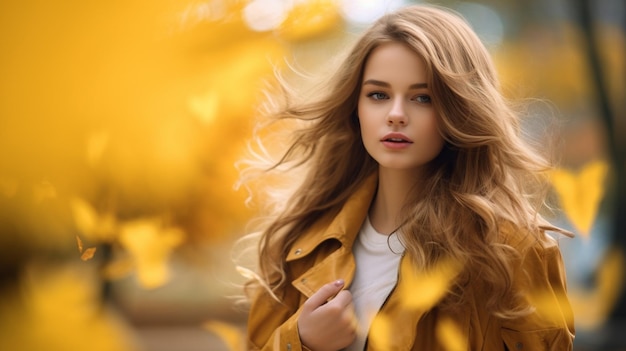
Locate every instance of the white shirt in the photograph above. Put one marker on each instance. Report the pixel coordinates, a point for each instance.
(376, 275)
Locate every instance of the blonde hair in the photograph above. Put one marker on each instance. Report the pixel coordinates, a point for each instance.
(485, 176)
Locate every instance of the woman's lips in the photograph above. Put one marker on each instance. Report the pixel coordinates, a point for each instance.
(396, 141)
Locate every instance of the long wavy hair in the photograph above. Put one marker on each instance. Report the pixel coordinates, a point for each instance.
(486, 174)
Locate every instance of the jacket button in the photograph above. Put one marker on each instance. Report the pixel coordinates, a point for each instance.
(519, 346)
(298, 251)
(288, 347)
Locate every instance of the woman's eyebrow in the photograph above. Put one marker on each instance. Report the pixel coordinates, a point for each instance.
(387, 85)
(418, 86)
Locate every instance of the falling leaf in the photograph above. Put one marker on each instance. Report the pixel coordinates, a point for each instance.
(450, 336)
(150, 246)
(611, 277)
(88, 254)
(95, 226)
(592, 307)
(85, 216)
(230, 334)
(580, 194)
(80, 244)
(380, 333)
(85, 254)
(546, 308)
(424, 289)
(59, 308)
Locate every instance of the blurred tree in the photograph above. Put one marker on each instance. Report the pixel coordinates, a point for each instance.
(610, 114)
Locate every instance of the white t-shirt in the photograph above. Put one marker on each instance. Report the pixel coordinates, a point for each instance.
(376, 275)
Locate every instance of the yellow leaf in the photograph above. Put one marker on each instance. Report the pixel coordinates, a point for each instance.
(580, 194)
(547, 306)
(59, 307)
(592, 307)
(85, 216)
(611, 278)
(230, 335)
(150, 246)
(93, 225)
(450, 336)
(88, 254)
(424, 289)
(380, 333)
(80, 244)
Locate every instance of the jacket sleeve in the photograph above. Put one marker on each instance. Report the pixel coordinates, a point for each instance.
(272, 325)
(550, 325)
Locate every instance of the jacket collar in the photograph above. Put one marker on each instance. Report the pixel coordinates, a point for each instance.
(344, 226)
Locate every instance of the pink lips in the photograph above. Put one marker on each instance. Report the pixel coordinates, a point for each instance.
(396, 141)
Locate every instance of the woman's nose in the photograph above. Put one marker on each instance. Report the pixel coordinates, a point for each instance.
(397, 115)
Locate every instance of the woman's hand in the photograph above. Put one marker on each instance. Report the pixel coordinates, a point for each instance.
(327, 323)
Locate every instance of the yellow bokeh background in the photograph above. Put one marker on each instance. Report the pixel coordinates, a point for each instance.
(120, 127)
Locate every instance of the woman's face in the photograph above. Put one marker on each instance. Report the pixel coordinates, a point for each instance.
(398, 121)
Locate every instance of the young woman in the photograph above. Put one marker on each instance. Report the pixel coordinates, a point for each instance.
(415, 225)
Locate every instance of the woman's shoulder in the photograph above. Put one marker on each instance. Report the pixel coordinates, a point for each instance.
(540, 278)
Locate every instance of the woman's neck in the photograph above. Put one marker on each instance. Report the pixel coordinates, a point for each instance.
(393, 189)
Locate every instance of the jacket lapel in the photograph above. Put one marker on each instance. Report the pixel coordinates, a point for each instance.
(344, 228)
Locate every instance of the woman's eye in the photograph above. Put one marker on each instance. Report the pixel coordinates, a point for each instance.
(423, 99)
(377, 95)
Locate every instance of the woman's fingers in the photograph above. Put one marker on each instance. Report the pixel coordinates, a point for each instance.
(322, 296)
(327, 320)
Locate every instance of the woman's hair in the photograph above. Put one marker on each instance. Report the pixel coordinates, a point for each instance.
(485, 175)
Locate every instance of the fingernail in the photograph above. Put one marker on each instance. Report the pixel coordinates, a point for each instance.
(339, 282)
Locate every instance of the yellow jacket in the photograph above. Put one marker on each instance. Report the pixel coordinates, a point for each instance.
(324, 253)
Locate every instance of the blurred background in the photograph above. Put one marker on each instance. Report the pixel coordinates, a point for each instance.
(121, 122)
